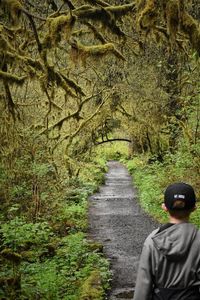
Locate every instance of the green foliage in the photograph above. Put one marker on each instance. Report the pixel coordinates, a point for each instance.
(112, 151)
(91, 289)
(51, 257)
(152, 179)
(94, 173)
(75, 216)
(53, 113)
(63, 275)
(18, 234)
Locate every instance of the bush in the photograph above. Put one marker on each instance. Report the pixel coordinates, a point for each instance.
(152, 180)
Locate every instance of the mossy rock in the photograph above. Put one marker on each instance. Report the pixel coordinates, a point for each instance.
(49, 251)
(62, 228)
(29, 256)
(14, 282)
(8, 254)
(96, 247)
(92, 288)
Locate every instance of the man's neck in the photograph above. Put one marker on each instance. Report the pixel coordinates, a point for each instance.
(178, 221)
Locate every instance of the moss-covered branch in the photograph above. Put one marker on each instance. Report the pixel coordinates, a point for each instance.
(10, 103)
(61, 80)
(172, 13)
(70, 4)
(121, 10)
(81, 126)
(73, 85)
(25, 59)
(191, 28)
(75, 114)
(12, 78)
(104, 15)
(55, 76)
(13, 8)
(96, 33)
(59, 24)
(39, 45)
(98, 2)
(112, 140)
(96, 50)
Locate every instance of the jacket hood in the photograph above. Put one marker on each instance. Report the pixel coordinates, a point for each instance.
(175, 241)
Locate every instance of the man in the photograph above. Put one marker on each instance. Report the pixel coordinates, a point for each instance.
(169, 265)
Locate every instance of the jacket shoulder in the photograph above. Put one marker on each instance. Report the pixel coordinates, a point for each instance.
(151, 235)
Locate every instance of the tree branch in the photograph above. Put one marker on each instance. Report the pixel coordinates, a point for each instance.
(34, 31)
(113, 140)
(71, 136)
(72, 115)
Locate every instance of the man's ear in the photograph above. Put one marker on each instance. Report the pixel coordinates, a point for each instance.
(194, 208)
(164, 207)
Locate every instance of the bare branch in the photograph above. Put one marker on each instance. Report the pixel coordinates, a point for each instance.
(113, 140)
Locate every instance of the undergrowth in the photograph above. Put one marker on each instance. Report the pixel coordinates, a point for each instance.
(50, 257)
(152, 178)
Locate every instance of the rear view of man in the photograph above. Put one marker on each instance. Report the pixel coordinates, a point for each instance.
(169, 267)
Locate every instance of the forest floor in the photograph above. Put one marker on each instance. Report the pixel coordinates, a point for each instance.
(117, 221)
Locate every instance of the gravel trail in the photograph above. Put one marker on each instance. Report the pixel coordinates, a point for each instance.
(117, 221)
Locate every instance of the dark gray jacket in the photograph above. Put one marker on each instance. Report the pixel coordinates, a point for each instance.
(169, 259)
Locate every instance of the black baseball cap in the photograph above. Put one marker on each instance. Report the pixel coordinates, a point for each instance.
(180, 196)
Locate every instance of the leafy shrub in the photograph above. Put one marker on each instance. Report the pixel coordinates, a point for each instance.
(51, 259)
(63, 276)
(18, 234)
(152, 180)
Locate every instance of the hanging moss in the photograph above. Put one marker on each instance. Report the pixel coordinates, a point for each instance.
(191, 28)
(57, 25)
(13, 8)
(10, 255)
(148, 15)
(172, 12)
(12, 78)
(54, 76)
(121, 10)
(99, 14)
(73, 85)
(98, 2)
(97, 50)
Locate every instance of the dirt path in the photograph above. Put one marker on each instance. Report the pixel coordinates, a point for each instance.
(117, 221)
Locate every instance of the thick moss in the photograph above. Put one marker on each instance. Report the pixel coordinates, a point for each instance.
(101, 14)
(8, 254)
(172, 13)
(191, 27)
(97, 247)
(96, 50)
(172, 18)
(13, 8)
(92, 289)
(12, 78)
(63, 23)
(148, 14)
